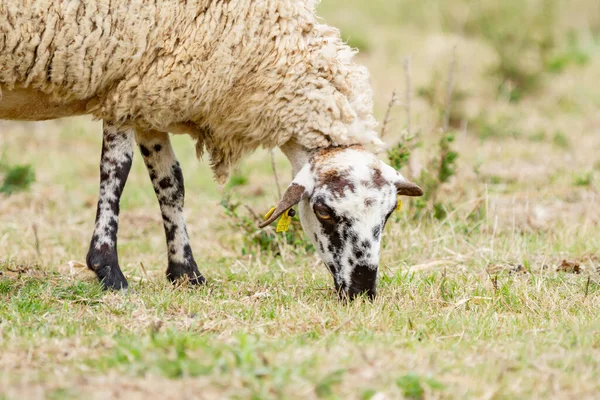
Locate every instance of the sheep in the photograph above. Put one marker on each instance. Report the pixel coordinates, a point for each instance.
(235, 76)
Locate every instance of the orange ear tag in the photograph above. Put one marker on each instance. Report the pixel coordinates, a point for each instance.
(399, 205)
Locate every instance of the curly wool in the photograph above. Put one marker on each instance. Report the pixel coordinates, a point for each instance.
(235, 74)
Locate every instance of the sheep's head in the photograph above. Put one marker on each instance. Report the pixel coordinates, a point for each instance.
(345, 195)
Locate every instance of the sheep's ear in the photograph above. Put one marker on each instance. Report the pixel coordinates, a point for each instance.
(291, 197)
(301, 187)
(404, 187)
(407, 188)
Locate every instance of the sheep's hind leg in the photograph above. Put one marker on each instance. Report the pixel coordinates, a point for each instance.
(115, 163)
(167, 180)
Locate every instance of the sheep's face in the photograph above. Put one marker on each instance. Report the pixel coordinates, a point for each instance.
(345, 196)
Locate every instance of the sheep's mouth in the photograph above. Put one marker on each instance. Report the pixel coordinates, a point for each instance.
(349, 293)
(363, 283)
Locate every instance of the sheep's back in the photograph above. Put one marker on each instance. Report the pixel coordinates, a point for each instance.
(74, 49)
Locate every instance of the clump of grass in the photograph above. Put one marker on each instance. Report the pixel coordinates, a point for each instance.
(263, 240)
(267, 239)
(414, 386)
(16, 177)
(440, 169)
(572, 54)
(584, 179)
(442, 164)
(538, 136)
(498, 127)
(434, 93)
(523, 38)
(237, 179)
(559, 139)
(325, 388)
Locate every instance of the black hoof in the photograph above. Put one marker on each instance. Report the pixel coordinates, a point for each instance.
(111, 278)
(106, 267)
(177, 272)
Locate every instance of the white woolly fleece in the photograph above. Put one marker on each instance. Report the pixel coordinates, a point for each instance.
(234, 74)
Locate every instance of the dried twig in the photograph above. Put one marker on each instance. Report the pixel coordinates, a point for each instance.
(409, 138)
(442, 285)
(37, 240)
(587, 286)
(494, 280)
(407, 78)
(144, 269)
(253, 213)
(388, 112)
(449, 90)
(275, 174)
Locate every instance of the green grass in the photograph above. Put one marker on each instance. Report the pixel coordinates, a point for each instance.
(471, 305)
(423, 332)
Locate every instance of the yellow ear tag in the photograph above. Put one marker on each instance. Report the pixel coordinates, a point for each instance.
(271, 211)
(399, 206)
(284, 222)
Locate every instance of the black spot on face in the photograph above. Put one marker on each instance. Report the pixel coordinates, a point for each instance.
(363, 280)
(157, 147)
(352, 237)
(358, 254)
(377, 232)
(144, 150)
(320, 243)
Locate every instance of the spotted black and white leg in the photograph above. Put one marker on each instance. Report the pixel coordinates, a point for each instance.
(115, 163)
(167, 180)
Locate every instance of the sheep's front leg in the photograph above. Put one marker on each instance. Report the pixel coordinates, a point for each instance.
(115, 163)
(167, 180)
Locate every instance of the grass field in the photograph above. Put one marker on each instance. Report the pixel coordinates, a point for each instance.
(497, 298)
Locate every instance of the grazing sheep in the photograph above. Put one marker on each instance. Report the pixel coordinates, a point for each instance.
(234, 75)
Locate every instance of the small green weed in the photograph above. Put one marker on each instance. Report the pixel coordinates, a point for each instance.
(499, 127)
(572, 54)
(539, 136)
(522, 36)
(442, 164)
(435, 94)
(237, 179)
(415, 386)
(559, 139)
(325, 387)
(257, 240)
(16, 177)
(584, 179)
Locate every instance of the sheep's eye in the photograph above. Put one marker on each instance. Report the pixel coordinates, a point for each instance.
(322, 212)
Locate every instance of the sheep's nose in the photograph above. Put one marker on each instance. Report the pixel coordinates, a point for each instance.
(370, 292)
(363, 281)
